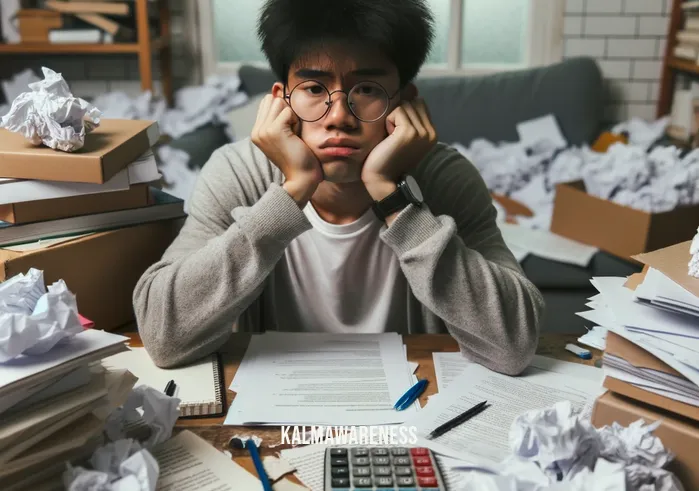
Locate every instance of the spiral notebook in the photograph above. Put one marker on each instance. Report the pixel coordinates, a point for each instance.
(199, 386)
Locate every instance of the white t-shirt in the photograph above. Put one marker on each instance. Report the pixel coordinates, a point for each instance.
(340, 279)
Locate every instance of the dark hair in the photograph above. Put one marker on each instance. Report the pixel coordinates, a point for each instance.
(402, 30)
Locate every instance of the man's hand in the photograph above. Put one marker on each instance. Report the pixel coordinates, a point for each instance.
(410, 137)
(275, 134)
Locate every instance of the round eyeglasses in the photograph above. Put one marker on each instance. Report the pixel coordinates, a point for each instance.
(311, 100)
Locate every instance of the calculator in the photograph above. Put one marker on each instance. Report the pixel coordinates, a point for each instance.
(349, 468)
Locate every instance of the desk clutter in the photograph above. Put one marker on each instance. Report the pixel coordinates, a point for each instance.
(79, 198)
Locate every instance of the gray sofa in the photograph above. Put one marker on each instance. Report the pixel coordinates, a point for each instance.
(490, 106)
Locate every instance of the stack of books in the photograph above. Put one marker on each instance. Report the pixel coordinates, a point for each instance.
(687, 38)
(92, 22)
(93, 217)
(651, 352)
(54, 406)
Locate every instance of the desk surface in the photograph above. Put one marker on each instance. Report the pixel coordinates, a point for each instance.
(420, 349)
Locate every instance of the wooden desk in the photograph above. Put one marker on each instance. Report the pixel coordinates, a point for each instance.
(420, 349)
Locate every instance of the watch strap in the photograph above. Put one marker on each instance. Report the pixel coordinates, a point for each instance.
(392, 203)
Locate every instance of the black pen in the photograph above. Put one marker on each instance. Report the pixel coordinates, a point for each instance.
(454, 422)
(170, 388)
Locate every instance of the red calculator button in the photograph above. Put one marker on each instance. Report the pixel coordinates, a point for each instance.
(424, 471)
(427, 481)
(418, 451)
(421, 461)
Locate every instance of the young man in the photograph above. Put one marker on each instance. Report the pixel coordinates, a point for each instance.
(341, 213)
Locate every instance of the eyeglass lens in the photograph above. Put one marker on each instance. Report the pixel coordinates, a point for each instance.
(310, 100)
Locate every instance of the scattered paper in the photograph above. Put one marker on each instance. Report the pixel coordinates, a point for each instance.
(641, 132)
(547, 245)
(116, 466)
(50, 115)
(33, 319)
(287, 485)
(694, 251)
(557, 448)
(634, 175)
(179, 179)
(276, 467)
(195, 106)
(543, 129)
(245, 438)
(158, 411)
(595, 337)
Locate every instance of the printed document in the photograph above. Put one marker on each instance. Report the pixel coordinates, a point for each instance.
(321, 379)
(483, 440)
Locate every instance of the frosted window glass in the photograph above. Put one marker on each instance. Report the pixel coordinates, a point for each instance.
(440, 11)
(494, 31)
(235, 30)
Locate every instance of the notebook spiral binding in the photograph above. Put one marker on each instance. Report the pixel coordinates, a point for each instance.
(208, 408)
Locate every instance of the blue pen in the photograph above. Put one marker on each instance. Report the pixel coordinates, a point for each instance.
(255, 454)
(411, 395)
(266, 484)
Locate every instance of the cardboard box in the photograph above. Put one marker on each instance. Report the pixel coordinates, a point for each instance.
(100, 269)
(86, 204)
(673, 262)
(618, 229)
(109, 148)
(35, 24)
(679, 434)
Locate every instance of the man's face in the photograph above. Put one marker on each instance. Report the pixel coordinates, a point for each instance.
(339, 139)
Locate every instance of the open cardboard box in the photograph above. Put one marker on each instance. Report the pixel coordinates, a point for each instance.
(101, 269)
(617, 229)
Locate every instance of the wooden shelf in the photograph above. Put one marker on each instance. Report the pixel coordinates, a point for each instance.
(683, 65)
(82, 48)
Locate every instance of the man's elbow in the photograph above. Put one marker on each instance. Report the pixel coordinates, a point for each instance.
(517, 355)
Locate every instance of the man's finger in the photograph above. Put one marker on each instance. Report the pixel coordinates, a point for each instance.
(424, 112)
(414, 119)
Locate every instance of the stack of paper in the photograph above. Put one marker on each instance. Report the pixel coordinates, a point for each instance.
(652, 340)
(53, 406)
(321, 379)
(523, 241)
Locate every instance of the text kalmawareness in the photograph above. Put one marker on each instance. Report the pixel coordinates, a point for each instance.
(349, 435)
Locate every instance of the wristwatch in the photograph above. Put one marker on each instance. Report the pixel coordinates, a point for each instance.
(408, 192)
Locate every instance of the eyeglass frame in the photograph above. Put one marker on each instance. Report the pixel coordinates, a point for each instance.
(329, 102)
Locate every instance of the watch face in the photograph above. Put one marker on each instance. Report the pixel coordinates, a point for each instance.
(413, 188)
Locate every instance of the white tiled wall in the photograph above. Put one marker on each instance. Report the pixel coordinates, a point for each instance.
(91, 75)
(627, 38)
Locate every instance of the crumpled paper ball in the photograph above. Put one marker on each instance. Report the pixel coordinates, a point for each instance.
(50, 115)
(33, 319)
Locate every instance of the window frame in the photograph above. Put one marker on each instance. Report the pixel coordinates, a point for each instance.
(544, 39)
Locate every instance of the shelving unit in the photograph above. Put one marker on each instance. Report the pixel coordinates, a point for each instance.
(671, 64)
(144, 47)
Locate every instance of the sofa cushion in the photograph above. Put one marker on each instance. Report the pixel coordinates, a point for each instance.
(490, 106)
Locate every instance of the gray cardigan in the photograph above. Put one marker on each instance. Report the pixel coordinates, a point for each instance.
(211, 280)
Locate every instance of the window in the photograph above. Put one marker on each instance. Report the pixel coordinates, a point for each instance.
(470, 35)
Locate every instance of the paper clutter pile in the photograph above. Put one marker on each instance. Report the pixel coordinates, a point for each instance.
(54, 402)
(651, 352)
(78, 195)
(559, 449)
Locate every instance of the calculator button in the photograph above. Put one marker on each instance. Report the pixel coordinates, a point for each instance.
(383, 482)
(340, 482)
(382, 471)
(360, 452)
(362, 482)
(401, 461)
(338, 452)
(424, 471)
(338, 461)
(427, 481)
(360, 461)
(339, 471)
(403, 481)
(422, 461)
(399, 451)
(381, 461)
(403, 471)
(419, 451)
(379, 451)
(361, 471)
